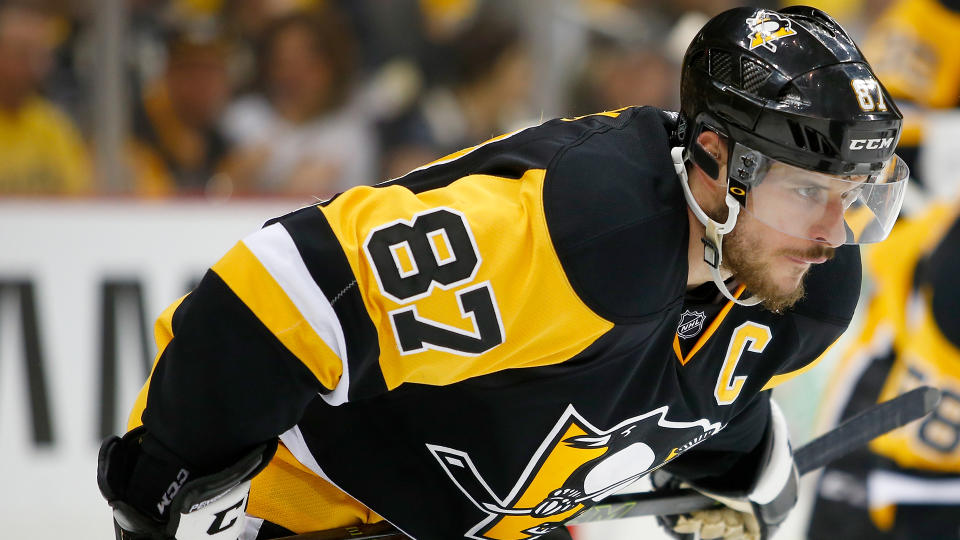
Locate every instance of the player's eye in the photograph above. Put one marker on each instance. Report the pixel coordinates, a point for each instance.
(811, 193)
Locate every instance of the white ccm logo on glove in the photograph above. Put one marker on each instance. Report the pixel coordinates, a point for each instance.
(172, 490)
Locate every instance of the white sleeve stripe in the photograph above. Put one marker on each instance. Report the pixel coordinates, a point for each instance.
(276, 251)
(251, 528)
(295, 443)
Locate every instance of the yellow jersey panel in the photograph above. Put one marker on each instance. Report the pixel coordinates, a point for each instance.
(293, 495)
(256, 287)
(932, 443)
(542, 320)
(900, 329)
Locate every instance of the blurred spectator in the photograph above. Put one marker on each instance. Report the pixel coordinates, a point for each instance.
(489, 92)
(247, 22)
(855, 15)
(619, 75)
(178, 146)
(302, 134)
(41, 151)
(418, 31)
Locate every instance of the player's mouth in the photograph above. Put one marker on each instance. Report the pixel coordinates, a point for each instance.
(812, 255)
(807, 260)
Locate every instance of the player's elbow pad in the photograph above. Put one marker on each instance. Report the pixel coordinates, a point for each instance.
(774, 490)
(760, 508)
(155, 497)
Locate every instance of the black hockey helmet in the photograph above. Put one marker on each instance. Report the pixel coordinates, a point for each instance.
(790, 89)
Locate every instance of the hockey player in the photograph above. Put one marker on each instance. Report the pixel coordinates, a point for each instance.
(906, 485)
(490, 344)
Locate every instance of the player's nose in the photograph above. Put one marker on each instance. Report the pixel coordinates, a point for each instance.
(829, 228)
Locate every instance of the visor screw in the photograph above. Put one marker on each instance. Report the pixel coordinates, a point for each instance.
(748, 161)
(742, 173)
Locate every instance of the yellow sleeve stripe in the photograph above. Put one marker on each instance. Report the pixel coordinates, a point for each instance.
(163, 333)
(777, 380)
(291, 495)
(266, 272)
(612, 114)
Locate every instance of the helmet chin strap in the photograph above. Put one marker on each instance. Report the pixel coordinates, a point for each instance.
(713, 237)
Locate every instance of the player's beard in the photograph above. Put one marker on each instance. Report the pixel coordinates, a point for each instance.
(740, 256)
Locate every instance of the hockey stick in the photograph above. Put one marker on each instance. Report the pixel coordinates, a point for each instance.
(853, 433)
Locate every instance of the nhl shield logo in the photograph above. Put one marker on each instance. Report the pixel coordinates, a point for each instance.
(691, 322)
(765, 27)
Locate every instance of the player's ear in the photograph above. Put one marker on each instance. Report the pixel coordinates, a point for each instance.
(710, 154)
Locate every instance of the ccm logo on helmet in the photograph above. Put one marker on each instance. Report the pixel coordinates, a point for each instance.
(870, 144)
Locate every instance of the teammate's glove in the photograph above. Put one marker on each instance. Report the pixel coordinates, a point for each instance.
(155, 497)
(751, 514)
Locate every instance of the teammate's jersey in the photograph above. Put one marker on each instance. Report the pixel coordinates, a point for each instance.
(912, 335)
(484, 347)
(907, 479)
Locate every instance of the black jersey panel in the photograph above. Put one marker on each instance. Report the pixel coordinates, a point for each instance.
(821, 317)
(503, 423)
(328, 266)
(833, 288)
(618, 219)
(719, 461)
(942, 270)
(509, 157)
(222, 383)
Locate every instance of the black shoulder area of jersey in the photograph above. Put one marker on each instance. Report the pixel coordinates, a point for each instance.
(940, 273)
(617, 216)
(508, 156)
(833, 288)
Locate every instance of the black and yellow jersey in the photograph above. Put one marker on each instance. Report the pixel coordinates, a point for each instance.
(910, 336)
(912, 333)
(484, 347)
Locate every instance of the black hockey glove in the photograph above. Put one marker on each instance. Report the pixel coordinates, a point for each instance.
(155, 497)
(754, 513)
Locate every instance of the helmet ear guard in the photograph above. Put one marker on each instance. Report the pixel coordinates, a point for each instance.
(703, 159)
(713, 231)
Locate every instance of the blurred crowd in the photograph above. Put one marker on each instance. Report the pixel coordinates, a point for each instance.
(309, 97)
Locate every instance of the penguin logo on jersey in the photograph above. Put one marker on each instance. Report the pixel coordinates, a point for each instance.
(765, 27)
(576, 466)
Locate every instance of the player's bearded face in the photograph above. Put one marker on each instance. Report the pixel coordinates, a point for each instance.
(771, 264)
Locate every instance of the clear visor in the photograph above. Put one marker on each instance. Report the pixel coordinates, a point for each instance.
(827, 208)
